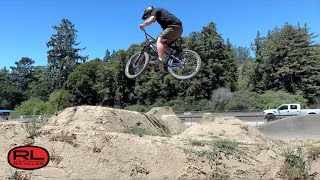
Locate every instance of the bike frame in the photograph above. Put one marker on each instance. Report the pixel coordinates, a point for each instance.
(151, 45)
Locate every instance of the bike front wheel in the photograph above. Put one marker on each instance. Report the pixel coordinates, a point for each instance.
(136, 64)
(189, 65)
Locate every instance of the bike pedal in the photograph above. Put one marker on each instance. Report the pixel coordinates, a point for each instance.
(158, 62)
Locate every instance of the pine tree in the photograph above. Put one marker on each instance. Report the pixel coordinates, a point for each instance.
(107, 56)
(286, 62)
(218, 69)
(10, 94)
(22, 74)
(63, 57)
(256, 45)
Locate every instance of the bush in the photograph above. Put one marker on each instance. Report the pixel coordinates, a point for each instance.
(243, 101)
(61, 99)
(138, 107)
(220, 98)
(224, 100)
(34, 106)
(295, 167)
(252, 101)
(272, 99)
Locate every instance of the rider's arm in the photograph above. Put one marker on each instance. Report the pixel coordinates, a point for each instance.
(148, 22)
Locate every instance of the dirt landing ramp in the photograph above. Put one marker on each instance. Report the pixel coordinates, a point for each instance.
(298, 127)
(99, 118)
(168, 118)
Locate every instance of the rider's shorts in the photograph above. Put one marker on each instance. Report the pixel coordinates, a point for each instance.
(171, 33)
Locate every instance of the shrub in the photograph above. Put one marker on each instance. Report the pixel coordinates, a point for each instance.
(32, 128)
(61, 99)
(220, 98)
(295, 167)
(138, 107)
(34, 106)
(272, 99)
(251, 101)
(243, 101)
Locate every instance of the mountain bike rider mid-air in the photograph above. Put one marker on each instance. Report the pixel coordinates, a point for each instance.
(181, 63)
(171, 25)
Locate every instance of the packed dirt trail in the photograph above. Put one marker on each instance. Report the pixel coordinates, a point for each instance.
(94, 142)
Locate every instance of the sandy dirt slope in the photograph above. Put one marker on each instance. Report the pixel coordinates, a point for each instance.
(89, 142)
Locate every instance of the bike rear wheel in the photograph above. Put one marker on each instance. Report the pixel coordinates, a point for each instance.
(189, 65)
(136, 64)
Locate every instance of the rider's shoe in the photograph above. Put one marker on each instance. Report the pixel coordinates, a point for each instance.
(176, 53)
(156, 62)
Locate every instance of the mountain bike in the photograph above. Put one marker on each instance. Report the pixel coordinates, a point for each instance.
(180, 63)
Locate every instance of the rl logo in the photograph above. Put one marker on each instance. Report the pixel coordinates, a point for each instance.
(28, 157)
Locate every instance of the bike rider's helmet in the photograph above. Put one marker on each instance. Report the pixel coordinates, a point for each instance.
(147, 11)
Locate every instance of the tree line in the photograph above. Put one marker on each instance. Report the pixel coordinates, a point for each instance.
(285, 69)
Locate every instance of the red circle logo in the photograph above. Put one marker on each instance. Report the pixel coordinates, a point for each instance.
(28, 157)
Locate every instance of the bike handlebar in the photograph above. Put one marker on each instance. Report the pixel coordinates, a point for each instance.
(148, 35)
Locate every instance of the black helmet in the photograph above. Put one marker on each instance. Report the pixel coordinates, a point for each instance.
(147, 11)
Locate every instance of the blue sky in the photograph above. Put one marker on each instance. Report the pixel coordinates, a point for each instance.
(26, 25)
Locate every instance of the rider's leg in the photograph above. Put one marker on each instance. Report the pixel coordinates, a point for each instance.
(167, 36)
(162, 47)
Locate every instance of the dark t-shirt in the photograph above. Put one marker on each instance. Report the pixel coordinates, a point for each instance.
(165, 18)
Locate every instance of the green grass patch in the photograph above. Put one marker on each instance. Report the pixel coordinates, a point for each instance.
(138, 131)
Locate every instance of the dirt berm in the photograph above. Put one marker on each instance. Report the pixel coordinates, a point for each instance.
(89, 142)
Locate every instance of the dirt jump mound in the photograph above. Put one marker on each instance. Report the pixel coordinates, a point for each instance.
(116, 120)
(226, 128)
(93, 142)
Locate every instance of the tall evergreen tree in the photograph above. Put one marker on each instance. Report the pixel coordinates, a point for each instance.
(256, 45)
(241, 54)
(41, 86)
(63, 57)
(22, 74)
(107, 56)
(287, 62)
(85, 90)
(10, 94)
(124, 86)
(218, 68)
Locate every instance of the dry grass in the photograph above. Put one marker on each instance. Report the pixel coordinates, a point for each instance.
(106, 138)
(138, 131)
(55, 158)
(313, 153)
(32, 128)
(65, 137)
(295, 166)
(220, 172)
(20, 175)
(95, 148)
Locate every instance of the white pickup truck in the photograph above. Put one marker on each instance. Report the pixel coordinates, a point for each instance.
(288, 110)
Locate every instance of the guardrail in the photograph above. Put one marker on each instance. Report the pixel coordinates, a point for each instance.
(246, 116)
(186, 116)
